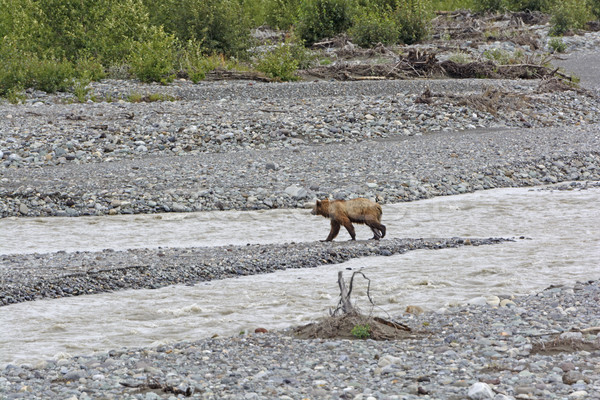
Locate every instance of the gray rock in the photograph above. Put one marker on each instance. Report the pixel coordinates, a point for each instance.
(480, 391)
(296, 192)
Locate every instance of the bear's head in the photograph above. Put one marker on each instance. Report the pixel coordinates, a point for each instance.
(321, 208)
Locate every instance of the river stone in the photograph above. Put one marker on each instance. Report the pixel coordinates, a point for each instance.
(296, 192)
(480, 391)
(23, 209)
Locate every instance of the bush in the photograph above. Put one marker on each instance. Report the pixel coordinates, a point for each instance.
(595, 7)
(281, 14)
(413, 17)
(372, 26)
(89, 68)
(490, 5)
(196, 64)
(153, 60)
(279, 62)
(218, 25)
(104, 29)
(531, 5)
(50, 75)
(21, 70)
(569, 14)
(319, 19)
(557, 45)
(13, 76)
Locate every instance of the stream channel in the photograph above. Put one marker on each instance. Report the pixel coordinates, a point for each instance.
(557, 241)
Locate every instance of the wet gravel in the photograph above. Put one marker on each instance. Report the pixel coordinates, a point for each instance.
(542, 346)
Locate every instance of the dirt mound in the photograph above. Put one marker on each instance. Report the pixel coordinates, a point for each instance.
(341, 327)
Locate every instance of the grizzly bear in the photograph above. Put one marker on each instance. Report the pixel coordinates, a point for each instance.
(345, 212)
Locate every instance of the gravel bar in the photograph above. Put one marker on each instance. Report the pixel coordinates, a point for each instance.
(62, 274)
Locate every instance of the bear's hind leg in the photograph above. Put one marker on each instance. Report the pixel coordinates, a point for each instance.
(376, 233)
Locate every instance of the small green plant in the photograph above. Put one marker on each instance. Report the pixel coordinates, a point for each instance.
(503, 57)
(460, 57)
(81, 89)
(152, 97)
(557, 45)
(15, 96)
(361, 331)
(134, 97)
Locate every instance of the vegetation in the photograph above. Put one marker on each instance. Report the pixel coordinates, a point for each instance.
(557, 45)
(361, 331)
(569, 14)
(62, 45)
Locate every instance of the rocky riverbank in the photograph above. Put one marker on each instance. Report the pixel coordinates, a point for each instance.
(542, 346)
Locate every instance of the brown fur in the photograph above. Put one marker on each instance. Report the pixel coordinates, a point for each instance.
(345, 212)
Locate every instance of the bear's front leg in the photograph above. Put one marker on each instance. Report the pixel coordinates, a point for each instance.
(335, 229)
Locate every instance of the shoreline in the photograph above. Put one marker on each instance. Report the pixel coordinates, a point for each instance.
(545, 345)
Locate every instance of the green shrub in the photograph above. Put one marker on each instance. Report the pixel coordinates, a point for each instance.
(81, 89)
(319, 19)
(569, 14)
(557, 45)
(89, 68)
(51, 75)
(595, 8)
(281, 14)
(413, 17)
(460, 57)
(279, 63)
(104, 29)
(531, 5)
(196, 64)
(490, 5)
(361, 331)
(153, 60)
(372, 26)
(218, 25)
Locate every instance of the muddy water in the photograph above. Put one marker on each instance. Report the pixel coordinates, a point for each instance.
(562, 245)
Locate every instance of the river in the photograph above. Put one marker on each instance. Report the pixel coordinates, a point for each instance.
(557, 241)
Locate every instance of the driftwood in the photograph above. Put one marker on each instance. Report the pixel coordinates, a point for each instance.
(345, 305)
(221, 74)
(153, 383)
(346, 316)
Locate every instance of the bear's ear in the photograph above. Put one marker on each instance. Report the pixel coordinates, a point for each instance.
(318, 203)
